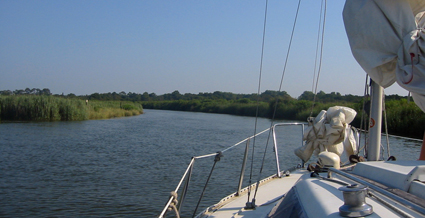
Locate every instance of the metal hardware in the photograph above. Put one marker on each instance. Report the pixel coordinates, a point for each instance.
(275, 142)
(243, 167)
(386, 193)
(354, 201)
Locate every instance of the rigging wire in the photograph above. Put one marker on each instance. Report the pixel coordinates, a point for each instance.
(317, 47)
(386, 127)
(258, 98)
(277, 99)
(363, 122)
(365, 126)
(320, 57)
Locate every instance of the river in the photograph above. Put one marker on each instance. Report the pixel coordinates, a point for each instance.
(126, 167)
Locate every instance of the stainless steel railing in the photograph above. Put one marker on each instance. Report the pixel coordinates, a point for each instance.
(187, 174)
(275, 141)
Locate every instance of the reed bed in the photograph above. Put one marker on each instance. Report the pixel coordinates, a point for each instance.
(41, 108)
(52, 108)
(111, 109)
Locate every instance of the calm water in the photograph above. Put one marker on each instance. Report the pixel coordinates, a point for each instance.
(128, 166)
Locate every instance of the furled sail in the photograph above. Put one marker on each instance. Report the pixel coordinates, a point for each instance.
(387, 38)
(329, 131)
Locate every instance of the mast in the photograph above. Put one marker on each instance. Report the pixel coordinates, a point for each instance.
(375, 121)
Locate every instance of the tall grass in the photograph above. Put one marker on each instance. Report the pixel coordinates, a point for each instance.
(52, 108)
(405, 118)
(111, 109)
(41, 108)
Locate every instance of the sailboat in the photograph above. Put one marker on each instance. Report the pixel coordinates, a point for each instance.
(387, 38)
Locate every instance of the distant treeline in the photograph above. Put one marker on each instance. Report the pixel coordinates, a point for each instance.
(176, 95)
(266, 96)
(403, 117)
(27, 91)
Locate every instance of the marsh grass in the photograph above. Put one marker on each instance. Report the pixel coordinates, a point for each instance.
(41, 108)
(111, 109)
(52, 108)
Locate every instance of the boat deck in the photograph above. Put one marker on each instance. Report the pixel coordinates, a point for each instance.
(269, 193)
(321, 197)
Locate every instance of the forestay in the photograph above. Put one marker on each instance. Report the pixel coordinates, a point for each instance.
(387, 38)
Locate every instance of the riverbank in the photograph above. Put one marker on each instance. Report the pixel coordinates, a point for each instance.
(111, 109)
(53, 108)
(404, 118)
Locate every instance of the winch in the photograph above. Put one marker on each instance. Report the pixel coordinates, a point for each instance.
(354, 201)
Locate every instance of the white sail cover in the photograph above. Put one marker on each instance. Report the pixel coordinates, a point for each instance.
(387, 38)
(330, 131)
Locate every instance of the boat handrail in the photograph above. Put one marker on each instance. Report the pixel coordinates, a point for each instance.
(188, 171)
(190, 165)
(275, 142)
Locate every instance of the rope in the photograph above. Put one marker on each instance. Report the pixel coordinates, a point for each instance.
(216, 159)
(173, 196)
(316, 175)
(177, 188)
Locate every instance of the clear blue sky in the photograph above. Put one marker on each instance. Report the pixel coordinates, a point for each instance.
(83, 47)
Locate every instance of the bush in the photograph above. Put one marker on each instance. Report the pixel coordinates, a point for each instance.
(129, 107)
(110, 109)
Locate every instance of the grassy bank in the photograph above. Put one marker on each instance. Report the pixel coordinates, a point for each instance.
(51, 108)
(403, 118)
(111, 109)
(221, 106)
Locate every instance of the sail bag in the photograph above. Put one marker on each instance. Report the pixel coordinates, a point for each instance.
(329, 131)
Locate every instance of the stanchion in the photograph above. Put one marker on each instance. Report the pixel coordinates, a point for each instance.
(422, 155)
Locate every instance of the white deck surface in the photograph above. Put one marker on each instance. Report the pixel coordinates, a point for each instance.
(269, 192)
(320, 198)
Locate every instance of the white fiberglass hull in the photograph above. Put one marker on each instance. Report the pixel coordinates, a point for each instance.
(321, 197)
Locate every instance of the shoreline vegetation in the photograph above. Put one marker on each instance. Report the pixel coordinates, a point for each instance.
(404, 118)
(53, 108)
